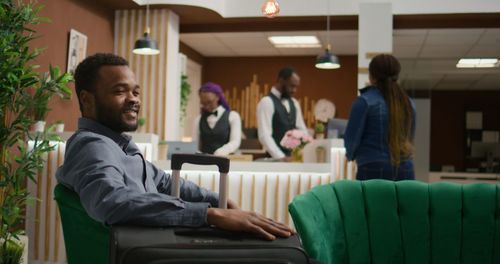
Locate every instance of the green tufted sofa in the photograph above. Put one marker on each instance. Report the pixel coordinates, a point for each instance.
(381, 221)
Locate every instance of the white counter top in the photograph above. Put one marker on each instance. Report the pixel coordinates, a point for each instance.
(464, 177)
(256, 166)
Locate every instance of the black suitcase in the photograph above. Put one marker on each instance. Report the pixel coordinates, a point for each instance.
(133, 245)
(147, 245)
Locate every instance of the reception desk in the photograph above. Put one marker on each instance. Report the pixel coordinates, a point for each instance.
(263, 187)
(268, 187)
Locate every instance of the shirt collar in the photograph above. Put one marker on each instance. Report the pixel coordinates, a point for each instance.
(368, 88)
(276, 92)
(91, 125)
(220, 110)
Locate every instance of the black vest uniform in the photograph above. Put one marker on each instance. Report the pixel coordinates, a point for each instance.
(212, 139)
(282, 120)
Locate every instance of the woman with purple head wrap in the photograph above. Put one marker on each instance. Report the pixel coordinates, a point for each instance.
(214, 88)
(217, 129)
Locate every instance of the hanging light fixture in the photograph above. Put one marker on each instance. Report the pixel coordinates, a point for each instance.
(270, 8)
(327, 60)
(146, 45)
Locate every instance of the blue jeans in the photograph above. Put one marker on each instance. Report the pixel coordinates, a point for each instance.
(385, 170)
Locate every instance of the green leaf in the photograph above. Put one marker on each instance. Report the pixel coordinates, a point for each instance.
(24, 94)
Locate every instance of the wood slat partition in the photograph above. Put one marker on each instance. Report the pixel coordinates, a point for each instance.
(245, 100)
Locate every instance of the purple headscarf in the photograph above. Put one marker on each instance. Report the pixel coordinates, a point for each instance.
(216, 89)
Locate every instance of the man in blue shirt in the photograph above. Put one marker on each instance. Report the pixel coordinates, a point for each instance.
(115, 183)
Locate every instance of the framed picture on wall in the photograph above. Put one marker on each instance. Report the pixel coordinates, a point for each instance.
(77, 50)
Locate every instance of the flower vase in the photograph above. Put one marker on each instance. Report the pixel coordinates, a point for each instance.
(297, 155)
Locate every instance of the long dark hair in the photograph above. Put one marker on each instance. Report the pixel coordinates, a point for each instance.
(384, 70)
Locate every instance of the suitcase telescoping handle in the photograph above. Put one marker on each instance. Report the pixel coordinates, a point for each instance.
(200, 159)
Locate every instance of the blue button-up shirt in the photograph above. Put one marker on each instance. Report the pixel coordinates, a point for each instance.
(117, 185)
(365, 138)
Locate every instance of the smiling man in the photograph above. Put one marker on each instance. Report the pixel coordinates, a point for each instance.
(115, 183)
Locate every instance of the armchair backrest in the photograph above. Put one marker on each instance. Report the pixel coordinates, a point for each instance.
(86, 240)
(381, 221)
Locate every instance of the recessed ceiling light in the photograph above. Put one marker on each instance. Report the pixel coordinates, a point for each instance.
(295, 41)
(478, 63)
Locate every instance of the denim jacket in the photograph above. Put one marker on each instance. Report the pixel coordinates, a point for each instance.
(365, 138)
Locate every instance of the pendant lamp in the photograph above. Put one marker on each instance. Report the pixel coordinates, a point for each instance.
(327, 60)
(270, 8)
(146, 45)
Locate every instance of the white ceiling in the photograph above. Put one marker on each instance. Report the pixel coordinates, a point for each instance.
(428, 56)
(252, 8)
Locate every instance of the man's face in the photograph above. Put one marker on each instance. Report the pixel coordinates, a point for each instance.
(209, 101)
(289, 87)
(116, 102)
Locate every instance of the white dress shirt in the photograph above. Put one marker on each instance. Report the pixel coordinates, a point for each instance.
(265, 112)
(234, 136)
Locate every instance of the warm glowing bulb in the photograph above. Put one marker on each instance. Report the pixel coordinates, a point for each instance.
(270, 8)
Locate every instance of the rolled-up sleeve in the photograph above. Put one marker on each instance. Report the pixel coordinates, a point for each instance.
(92, 168)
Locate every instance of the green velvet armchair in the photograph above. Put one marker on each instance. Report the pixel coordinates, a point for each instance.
(381, 221)
(86, 240)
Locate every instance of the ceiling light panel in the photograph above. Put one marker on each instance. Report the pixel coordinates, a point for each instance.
(295, 41)
(478, 63)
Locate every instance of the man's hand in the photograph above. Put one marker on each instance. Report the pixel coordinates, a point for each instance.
(238, 220)
(287, 159)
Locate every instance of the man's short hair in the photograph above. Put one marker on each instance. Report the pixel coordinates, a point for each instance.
(286, 73)
(86, 72)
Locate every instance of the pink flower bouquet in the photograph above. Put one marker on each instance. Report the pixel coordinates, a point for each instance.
(295, 138)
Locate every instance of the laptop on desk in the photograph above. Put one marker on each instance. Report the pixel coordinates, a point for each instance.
(336, 128)
(181, 147)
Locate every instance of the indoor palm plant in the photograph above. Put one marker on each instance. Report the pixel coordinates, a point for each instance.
(23, 94)
(185, 91)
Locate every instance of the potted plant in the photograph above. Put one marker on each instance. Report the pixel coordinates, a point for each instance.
(59, 126)
(185, 91)
(319, 130)
(24, 95)
(140, 123)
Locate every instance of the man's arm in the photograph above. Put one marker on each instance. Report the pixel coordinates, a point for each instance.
(92, 170)
(265, 111)
(189, 191)
(299, 121)
(234, 136)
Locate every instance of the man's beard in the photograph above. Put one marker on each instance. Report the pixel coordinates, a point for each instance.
(285, 94)
(113, 119)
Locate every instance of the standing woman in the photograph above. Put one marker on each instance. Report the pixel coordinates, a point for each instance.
(217, 129)
(381, 128)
